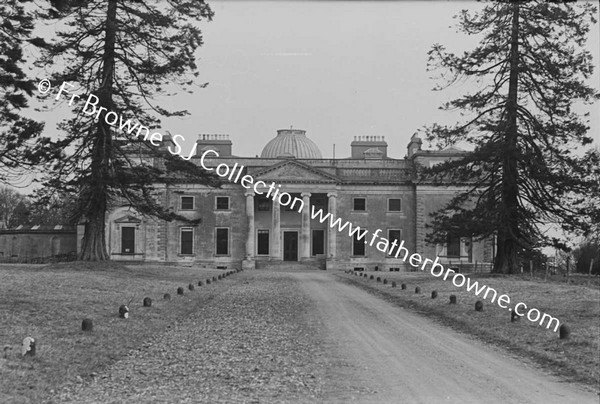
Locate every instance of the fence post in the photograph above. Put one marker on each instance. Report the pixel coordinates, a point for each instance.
(568, 262)
(590, 271)
(546, 273)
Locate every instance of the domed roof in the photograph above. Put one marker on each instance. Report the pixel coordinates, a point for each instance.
(291, 142)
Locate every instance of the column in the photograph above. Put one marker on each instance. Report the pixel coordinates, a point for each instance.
(276, 231)
(332, 232)
(305, 236)
(251, 232)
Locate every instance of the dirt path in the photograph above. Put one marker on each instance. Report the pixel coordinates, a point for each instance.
(306, 337)
(393, 356)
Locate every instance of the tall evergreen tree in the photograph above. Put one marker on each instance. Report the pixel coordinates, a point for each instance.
(529, 70)
(17, 133)
(124, 53)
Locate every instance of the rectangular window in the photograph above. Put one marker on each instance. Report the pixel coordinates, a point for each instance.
(359, 204)
(186, 244)
(263, 204)
(318, 242)
(222, 202)
(358, 246)
(394, 205)
(127, 240)
(187, 203)
(222, 241)
(319, 202)
(262, 242)
(394, 234)
(453, 246)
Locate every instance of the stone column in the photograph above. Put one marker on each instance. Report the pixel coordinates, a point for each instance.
(276, 231)
(250, 217)
(305, 237)
(248, 262)
(332, 232)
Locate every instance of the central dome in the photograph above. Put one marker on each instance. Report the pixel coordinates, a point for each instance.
(291, 143)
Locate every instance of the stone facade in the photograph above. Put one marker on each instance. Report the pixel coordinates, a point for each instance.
(239, 226)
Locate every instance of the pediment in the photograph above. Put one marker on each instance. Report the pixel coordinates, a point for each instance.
(128, 219)
(293, 171)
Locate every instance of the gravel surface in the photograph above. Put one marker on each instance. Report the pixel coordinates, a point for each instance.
(252, 340)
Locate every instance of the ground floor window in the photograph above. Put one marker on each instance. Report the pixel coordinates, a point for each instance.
(318, 242)
(358, 246)
(186, 244)
(453, 246)
(127, 240)
(222, 241)
(262, 241)
(394, 234)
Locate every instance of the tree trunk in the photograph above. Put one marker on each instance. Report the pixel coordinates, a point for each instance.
(509, 234)
(94, 243)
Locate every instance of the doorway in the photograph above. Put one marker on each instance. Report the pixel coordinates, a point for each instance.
(290, 246)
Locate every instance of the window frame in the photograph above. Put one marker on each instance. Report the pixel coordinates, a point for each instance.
(217, 240)
(268, 233)
(393, 199)
(354, 199)
(224, 197)
(181, 202)
(390, 239)
(186, 230)
(361, 243)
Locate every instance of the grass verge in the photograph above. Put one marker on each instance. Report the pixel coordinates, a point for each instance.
(575, 359)
(49, 303)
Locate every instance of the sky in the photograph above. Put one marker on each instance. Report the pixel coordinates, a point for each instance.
(333, 68)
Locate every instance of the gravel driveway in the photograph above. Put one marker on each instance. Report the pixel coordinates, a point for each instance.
(306, 337)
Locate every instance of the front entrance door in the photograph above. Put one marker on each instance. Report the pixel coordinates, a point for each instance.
(290, 246)
(127, 240)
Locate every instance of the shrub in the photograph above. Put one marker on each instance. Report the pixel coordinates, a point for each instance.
(167, 296)
(478, 305)
(180, 290)
(434, 294)
(514, 316)
(200, 283)
(417, 290)
(403, 286)
(371, 277)
(393, 284)
(208, 281)
(378, 279)
(452, 299)
(191, 286)
(147, 302)
(385, 281)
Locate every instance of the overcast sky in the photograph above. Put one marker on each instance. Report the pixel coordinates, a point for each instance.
(336, 69)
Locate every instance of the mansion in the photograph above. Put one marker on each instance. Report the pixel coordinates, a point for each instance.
(241, 226)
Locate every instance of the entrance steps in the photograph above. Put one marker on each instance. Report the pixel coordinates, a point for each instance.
(290, 265)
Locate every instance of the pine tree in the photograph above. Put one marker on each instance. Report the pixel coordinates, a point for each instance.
(125, 54)
(530, 68)
(17, 133)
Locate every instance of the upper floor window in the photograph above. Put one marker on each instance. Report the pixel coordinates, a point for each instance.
(394, 205)
(187, 203)
(222, 203)
(263, 204)
(359, 204)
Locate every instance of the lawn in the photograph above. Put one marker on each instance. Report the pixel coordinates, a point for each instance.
(575, 359)
(49, 303)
